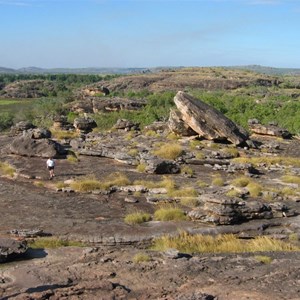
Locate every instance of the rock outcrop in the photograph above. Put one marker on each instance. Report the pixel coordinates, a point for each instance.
(90, 104)
(206, 120)
(10, 249)
(223, 210)
(35, 142)
(272, 129)
(85, 124)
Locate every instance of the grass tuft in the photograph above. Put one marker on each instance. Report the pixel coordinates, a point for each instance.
(169, 213)
(137, 218)
(141, 167)
(168, 151)
(141, 257)
(263, 259)
(6, 169)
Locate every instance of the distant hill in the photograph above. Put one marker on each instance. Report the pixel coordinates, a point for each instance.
(6, 70)
(268, 70)
(35, 70)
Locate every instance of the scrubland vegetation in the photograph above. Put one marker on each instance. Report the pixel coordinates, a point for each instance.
(266, 103)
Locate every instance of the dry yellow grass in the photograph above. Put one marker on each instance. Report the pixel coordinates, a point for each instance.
(168, 151)
(227, 243)
(6, 169)
(169, 213)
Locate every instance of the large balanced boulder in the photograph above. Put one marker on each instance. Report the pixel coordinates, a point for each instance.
(206, 120)
(177, 125)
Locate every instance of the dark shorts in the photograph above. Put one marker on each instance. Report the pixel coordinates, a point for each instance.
(50, 168)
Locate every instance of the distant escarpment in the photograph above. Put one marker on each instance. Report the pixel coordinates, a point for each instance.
(189, 78)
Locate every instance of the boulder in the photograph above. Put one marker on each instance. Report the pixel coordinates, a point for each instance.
(178, 126)
(85, 124)
(271, 129)
(223, 210)
(10, 249)
(27, 146)
(123, 124)
(37, 133)
(207, 121)
(159, 166)
(21, 126)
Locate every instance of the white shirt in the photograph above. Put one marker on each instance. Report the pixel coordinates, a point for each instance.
(50, 162)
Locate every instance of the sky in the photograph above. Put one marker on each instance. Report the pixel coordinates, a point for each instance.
(149, 33)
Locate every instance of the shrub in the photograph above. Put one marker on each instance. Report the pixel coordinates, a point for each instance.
(227, 243)
(141, 257)
(169, 151)
(169, 214)
(137, 218)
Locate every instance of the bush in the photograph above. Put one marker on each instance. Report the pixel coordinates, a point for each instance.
(6, 120)
(137, 218)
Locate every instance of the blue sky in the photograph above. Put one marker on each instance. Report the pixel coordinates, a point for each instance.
(149, 33)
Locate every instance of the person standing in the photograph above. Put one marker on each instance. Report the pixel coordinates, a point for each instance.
(50, 167)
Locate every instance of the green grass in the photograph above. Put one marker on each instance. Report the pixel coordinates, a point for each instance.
(137, 218)
(169, 213)
(52, 242)
(189, 202)
(227, 243)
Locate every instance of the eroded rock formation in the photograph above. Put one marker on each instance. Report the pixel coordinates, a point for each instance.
(206, 120)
